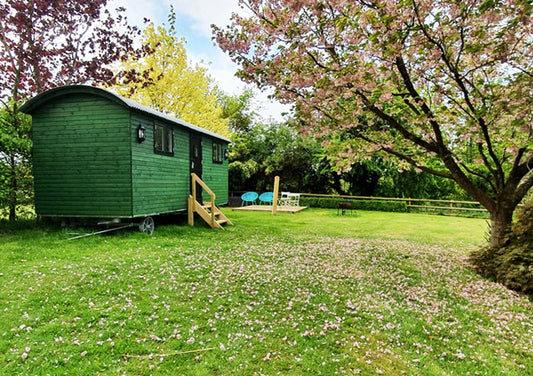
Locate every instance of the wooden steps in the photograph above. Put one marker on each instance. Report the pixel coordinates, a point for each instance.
(208, 211)
(220, 218)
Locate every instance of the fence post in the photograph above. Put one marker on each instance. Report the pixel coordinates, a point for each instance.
(275, 198)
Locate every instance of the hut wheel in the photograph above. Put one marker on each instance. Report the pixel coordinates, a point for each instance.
(147, 225)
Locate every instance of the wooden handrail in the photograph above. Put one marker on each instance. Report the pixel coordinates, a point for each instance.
(196, 180)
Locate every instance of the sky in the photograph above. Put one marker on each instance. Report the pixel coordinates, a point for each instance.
(194, 19)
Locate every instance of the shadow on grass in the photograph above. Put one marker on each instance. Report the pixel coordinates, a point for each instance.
(84, 225)
(7, 226)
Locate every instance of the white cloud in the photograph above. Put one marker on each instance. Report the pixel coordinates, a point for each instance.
(223, 71)
(194, 20)
(206, 12)
(137, 11)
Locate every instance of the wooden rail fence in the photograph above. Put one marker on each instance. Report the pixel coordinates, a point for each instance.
(414, 203)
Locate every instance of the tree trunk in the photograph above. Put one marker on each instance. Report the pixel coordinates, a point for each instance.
(13, 186)
(500, 227)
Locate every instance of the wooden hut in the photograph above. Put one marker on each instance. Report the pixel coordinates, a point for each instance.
(99, 155)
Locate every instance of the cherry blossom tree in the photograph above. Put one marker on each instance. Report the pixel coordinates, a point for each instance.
(48, 43)
(443, 85)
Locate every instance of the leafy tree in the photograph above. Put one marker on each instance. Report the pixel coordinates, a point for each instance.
(172, 84)
(265, 151)
(15, 160)
(411, 183)
(44, 44)
(238, 111)
(381, 176)
(259, 149)
(445, 86)
(370, 177)
(49, 43)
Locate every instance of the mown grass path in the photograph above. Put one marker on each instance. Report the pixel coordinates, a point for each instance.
(306, 294)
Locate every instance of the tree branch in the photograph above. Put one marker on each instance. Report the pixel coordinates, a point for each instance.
(396, 125)
(406, 158)
(485, 159)
(412, 162)
(472, 172)
(456, 76)
(407, 102)
(524, 186)
(316, 61)
(400, 64)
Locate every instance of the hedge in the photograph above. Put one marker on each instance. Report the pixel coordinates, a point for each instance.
(512, 262)
(375, 205)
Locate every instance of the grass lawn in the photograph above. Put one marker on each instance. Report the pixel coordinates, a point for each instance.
(311, 293)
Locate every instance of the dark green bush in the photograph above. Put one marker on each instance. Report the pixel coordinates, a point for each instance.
(386, 206)
(311, 202)
(511, 263)
(524, 219)
(327, 203)
(375, 205)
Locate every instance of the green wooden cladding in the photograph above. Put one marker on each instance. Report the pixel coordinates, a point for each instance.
(215, 175)
(88, 162)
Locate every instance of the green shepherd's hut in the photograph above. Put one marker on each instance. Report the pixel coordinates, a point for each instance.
(99, 155)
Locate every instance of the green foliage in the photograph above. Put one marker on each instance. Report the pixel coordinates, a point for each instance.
(361, 179)
(262, 152)
(373, 205)
(259, 152)
(16, 180)
(238, 111)
(524, 219)
(416, 184)
(512, 262)
(241, 171)
(388, 206)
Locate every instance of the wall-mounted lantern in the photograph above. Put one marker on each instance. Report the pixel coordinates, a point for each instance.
(140, 133)
(226, 154)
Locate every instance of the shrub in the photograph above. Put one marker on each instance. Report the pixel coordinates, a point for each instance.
(524, 219)
(387, 206)
(511, 263)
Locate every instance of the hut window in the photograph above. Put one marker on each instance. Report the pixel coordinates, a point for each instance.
(163, 140)
(218, 153)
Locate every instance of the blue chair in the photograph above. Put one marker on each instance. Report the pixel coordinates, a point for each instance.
(249, 197)
(266, 197)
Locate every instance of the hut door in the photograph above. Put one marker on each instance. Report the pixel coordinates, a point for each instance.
(195, 147)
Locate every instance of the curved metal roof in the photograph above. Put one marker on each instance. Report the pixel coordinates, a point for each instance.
(41, 99)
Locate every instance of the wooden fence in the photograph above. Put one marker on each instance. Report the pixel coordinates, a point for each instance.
(413, 204)
(417, 204)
